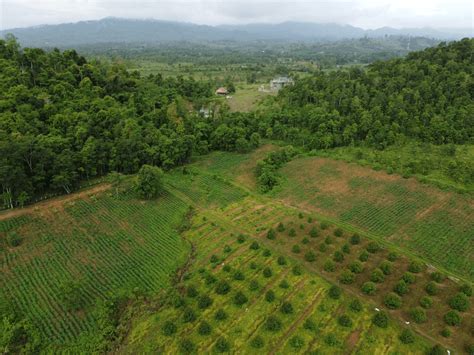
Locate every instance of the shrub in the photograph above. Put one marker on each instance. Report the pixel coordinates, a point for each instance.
(328, 240)
(356, 267)
(280, 227)
(446, 333)
(436, 350)
(13, 239)
(416, 267)
(257, 342)
(189, 315)
(338, 232)
(392, 256)
(284, 284)
(310, 256)
(309, 324)
(329, 266)
(254, 246)
(418, 315)
(281, 260)
(401, 288)
(210, 279)
(253, 265)
(297, 270)
(386, 267)
(239, 275)
(392, 301)
(240, 298)
(253, 286)
(338, 256)
(186, 346)
(373, 247)
(344, 321)
(377, 276)
(204, 302)
(266, 253)
(292, 232)
(220, 314)
(364, 256)
(466, 289)
(369, 288)
(222, 345)
(335, 292)
(409, 278)
(310, 219)
(296, 249)
(347, 277)
(222, 287)
(323, 247)
(305, 240)
(452, 318)
(286, 308)
(191, 291)
(426, 302)
(269, 296)
(204, 328)
(296, 342)
(324, 225)
(331, 339)
(149, 181)
(226, 268)
(272, 324)
(431, 288)
(267, 272)
(437, 277)
(271, 234)
(460, 302)
(169, 328)
(313, 233)
(355, 239)
(407, 336)
(240, 238)
(227, 249)
(355, 305)
(380, 319)
(346, 248)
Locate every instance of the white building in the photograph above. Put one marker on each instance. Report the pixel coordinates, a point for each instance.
(280, 82)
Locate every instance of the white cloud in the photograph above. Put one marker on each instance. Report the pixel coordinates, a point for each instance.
(363, 13)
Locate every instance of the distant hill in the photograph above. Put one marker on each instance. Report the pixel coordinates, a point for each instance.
(116, 30)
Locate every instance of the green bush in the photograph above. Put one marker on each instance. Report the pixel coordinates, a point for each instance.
(297, 270)
(189, 315)
(416, 267)
(222, 287)
(466, 289)
(436, 350)
(284, 284)
(272, 324)
(204, 328)
(437, 277)
(392, 301)
(431, 288)
(296, 342)
(377, 276)
(257, 342)
(344, 321)
(418, 315)
(452, 318)
(409, 278)
(286, 308)
(386, 267)
(309, 324)
(323, 247)
(280, 227)
(292, 232)
(460, 302)
(220, 314)
(426, 302)
(446, 333)
(401, 288)
(338, 256)
(364, 256)
(241, 238)
(266, 253)
(373, 247)
(328, 240)
(222, 345)
(310, 256)
(191, 291)
(281, 260)
(254, 246)
(271, 234)
(240, 298)
(204, 302)
(324, 225)
(392, 256)
(369, 288)
(305, 241)
(347, 277)
(407, 336)
(169, 328)
(13, 239)
(267, 272)
(186, 346)
(346, 249)
(239, 275)
(380, 319)
(227, 249)
(331, 339)
(329, 266)
(334, 292)
(296, 249)
(254, 285)
(313, 233)
(269, 296)
(338, 232)
(355, 239)
(355, 305)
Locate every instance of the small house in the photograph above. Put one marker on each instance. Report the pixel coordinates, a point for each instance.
(280, 82)
(222, 91)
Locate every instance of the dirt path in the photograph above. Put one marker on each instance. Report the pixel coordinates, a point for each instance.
(57, 202)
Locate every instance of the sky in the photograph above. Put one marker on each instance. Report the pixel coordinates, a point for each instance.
(368, 14)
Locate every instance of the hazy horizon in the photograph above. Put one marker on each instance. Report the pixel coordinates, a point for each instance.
(366, 14)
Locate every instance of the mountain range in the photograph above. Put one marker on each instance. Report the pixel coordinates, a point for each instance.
(118, 30)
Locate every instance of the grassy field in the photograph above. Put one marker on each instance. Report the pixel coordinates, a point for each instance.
(100, 244)
(246, 97)
(429, 222)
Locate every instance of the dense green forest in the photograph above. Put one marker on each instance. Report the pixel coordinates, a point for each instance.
(64, 119)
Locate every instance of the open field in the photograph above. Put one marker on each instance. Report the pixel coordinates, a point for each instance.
(431, 223)
(246, 97)
(100, 245)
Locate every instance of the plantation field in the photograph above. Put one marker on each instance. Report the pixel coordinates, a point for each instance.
(242, 297)
(434, 224)
(94, 247)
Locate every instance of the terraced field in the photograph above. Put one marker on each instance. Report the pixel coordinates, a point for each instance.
(100, 245)
(431, 223)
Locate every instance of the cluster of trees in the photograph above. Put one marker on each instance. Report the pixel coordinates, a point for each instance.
(426, 96)
(267, 169)
(64, 120)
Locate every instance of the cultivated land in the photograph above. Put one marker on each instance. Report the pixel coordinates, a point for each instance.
(124, 243)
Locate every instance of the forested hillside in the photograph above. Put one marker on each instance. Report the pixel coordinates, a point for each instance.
(64, 119)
